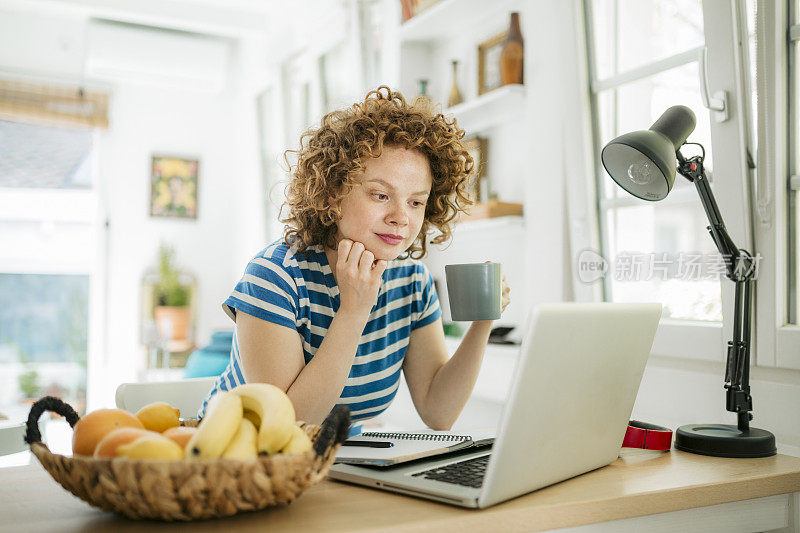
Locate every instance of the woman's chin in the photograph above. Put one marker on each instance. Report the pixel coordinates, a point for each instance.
(385, 256)
(387, 252)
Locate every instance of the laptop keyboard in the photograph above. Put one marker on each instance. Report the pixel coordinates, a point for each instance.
(467, 473)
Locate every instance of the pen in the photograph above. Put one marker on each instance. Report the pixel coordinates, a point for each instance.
(368, 444)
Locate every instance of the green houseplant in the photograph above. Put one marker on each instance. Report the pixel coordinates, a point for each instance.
(171, 298)
(169, 290)
(29, 383)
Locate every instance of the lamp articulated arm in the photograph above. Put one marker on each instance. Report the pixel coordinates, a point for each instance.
(738, 262)
(740, 269)
(644, 164)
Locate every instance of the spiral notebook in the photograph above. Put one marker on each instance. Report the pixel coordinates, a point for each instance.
(408, 446)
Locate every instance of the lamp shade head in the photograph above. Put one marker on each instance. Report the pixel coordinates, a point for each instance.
(642, 163)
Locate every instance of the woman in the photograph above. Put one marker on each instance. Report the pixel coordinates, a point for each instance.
(333, 311)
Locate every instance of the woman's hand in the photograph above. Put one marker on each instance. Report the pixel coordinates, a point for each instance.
(358, 275)
(505, 295)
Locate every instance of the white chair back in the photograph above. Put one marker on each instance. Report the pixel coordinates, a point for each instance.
(11, 435)
(185, 394)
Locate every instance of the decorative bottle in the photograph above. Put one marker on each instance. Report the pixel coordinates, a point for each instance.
(512, 55)
(455, 95)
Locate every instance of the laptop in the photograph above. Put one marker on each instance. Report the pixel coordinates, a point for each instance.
(573, 391)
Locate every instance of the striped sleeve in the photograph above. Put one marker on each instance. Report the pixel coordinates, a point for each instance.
(428, 304)
(267, 291)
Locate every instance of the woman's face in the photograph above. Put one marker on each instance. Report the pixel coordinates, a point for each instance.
(386, 210)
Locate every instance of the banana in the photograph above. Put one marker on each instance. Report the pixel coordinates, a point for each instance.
(216, 430)
(252, 417)
(275, 410)
(243, 444)
(299, 442)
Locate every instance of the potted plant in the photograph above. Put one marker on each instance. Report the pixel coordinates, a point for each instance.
(172, 313)
(28, 379)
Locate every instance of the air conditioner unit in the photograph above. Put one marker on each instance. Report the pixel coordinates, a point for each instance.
(130, 53)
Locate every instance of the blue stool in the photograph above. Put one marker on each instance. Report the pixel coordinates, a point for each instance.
(210, 360)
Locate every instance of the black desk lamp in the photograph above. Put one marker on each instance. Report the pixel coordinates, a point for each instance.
(644, 164)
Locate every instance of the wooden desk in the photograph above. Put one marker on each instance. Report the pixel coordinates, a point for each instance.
(694, 491)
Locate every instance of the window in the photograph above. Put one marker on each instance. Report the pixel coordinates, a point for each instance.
(47, 258)
(644, 57)
(778, 38)
(43, 337)
(793, 264)
(654, 248)
(41, 157)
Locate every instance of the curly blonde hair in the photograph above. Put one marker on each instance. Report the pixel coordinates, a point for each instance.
(331, 159)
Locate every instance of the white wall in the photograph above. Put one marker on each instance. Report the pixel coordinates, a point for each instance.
(46, 44)
(145, 121)
(219, 129)
(677, 392)
(250, 74)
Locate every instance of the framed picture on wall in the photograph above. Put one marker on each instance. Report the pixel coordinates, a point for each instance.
(489, 63)
(476, 146)
(173, 187)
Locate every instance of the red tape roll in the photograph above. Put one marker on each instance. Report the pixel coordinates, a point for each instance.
(647, 436)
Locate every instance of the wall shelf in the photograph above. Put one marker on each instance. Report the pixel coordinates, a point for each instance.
(490, 109)
(509, 223)
(428, 43)
(447, 17)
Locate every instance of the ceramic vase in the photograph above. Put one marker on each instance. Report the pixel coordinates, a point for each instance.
(512, 55)
(455, 94)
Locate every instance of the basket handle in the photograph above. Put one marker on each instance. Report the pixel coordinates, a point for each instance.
(48, 403)
(334, 429)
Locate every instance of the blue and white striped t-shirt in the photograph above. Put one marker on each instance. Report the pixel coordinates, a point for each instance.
(299, 291)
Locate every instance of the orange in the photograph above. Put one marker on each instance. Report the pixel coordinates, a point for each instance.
(180, 434)
(107, 447)
(90, 429)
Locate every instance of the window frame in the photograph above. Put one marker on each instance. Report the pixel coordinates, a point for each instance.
(683, 338)
(778, 340)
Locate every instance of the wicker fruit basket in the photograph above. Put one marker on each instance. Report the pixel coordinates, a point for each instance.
(183, 489)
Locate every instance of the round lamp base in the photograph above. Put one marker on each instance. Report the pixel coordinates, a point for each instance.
(723, 440)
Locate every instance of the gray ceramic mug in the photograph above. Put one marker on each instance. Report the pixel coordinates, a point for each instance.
(474, 291)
